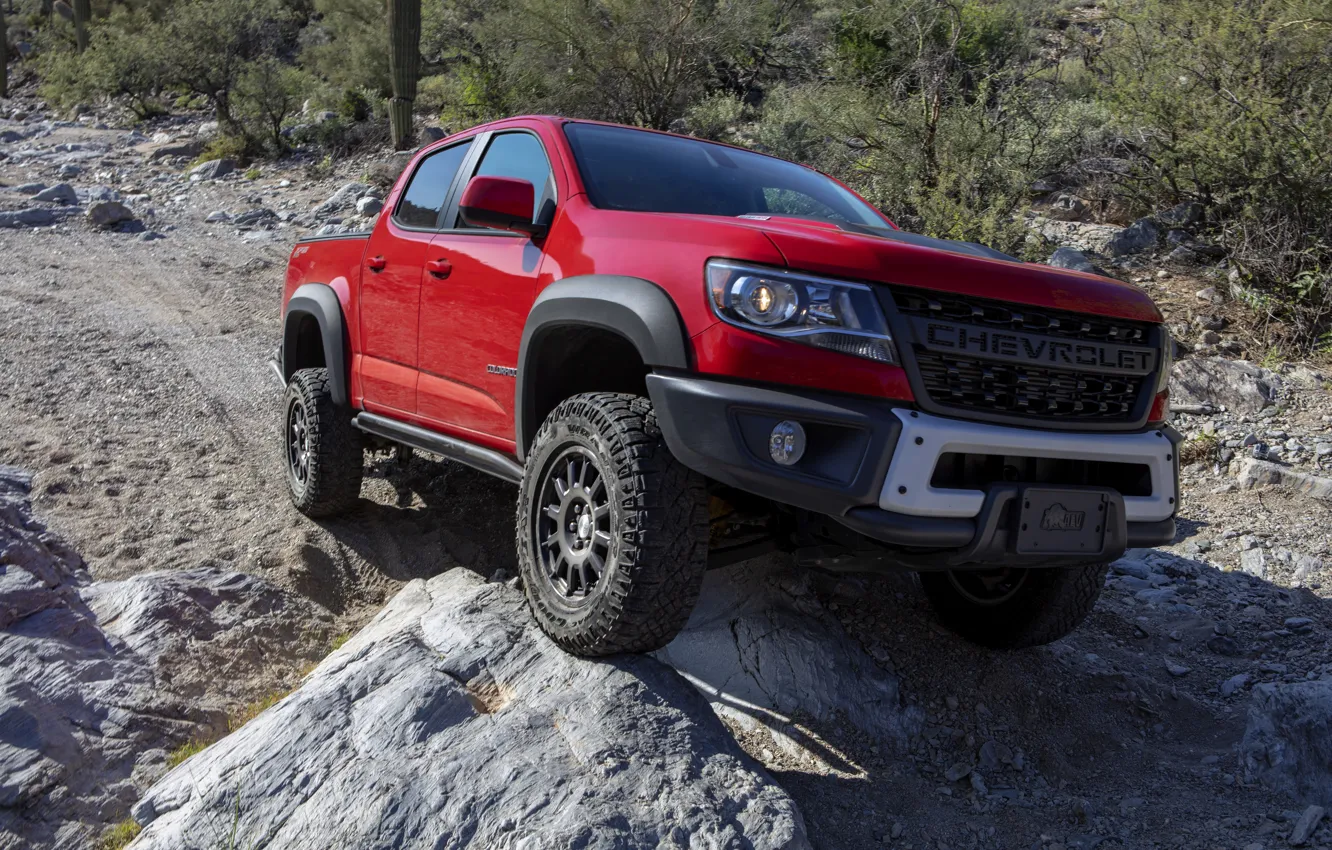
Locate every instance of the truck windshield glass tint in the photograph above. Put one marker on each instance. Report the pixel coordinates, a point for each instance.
(626, 169)
(519, 155)
(425, 195)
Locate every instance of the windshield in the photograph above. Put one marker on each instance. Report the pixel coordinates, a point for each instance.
(625, 169)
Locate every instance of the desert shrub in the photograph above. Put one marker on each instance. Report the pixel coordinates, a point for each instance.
(266, 95)
(1230, 105)
(122, 61)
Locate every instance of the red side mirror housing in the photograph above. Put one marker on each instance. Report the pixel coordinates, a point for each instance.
(501, 202)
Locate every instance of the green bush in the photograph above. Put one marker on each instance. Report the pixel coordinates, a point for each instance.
(1231, 105)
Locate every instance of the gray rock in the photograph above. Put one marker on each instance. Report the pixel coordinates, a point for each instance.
(1184, 255)
(1254, 562)
(1066, 207)
(218, 216)
(450, 714)
(1306, 825)
(1209, 294)
(30, 188)
(188, 150)
(255, 217)
(1176, 669)
(213, 169)
(101, 193)
(78, 709)
(1261, 473)
(1241, 387)
(69, 171)
(150, 236)
(432, 134)
(759, 640)
(60, 193)
(1234, 684)
(1287, 742)
(109, 214)
(342, 200)
(1134, 239)
(1186, 214)
(369, 206)
(1072, 259)
(33, 217)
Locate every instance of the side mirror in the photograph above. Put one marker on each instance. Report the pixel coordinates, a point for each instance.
(501, 202)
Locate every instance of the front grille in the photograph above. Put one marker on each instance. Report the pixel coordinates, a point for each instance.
(962, 382)
(983, 312)
(1025, 390)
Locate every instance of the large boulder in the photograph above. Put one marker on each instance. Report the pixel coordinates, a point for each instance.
(60, 193)
(213, 169)
(99, 680)
(1288, 740)
(107, 214)
(1240, 386)
(1072, 258)
(452, 720)
(762, 648)
(1139, 236)
(77, 710)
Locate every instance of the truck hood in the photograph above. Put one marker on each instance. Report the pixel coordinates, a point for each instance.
(957, 267)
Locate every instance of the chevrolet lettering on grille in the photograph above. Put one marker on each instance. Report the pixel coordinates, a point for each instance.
(1015, 347)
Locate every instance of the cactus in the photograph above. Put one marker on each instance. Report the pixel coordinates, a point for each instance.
(82, 12)
(404, 22)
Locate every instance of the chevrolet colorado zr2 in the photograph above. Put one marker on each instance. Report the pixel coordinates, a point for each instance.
(683, 353)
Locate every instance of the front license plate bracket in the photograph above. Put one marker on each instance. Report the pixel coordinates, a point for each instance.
(1064, 522)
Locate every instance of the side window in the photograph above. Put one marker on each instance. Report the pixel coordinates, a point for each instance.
(425, 195)
(520, 155)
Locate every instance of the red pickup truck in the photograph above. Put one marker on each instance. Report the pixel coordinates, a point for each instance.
(684, 353)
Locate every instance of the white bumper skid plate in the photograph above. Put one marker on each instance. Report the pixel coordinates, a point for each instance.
(907, 490)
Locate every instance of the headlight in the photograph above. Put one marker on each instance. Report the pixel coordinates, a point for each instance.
(1167, 360)
(831, 314)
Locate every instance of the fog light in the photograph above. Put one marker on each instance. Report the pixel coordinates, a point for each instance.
(787, 443)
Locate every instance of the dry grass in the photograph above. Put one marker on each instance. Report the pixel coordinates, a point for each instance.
(118, 835)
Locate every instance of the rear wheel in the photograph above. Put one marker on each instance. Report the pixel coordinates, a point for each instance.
(612, 530)
(1014, 607)
(323, 450)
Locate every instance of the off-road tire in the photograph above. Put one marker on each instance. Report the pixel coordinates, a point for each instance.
(657, 549)
(1049, 603)
(335, 454)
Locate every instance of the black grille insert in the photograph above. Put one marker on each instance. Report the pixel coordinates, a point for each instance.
(965, 382)
(1019, 317)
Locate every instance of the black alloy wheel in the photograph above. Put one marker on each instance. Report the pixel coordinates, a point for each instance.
(573, 526)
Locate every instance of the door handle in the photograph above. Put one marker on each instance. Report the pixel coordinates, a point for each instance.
(376, 264)
(439, 268)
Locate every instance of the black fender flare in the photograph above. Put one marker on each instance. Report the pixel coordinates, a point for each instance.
(320, 302)
(636, 309)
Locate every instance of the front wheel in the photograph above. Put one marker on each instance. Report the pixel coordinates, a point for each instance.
(612, 530)
(1014, 607)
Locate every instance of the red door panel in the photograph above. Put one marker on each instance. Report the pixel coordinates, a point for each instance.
(390, 308)
(471, 325)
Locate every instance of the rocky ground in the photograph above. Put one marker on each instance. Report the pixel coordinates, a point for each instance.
(138, 306)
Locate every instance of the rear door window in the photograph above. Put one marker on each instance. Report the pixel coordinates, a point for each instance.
(424, 198)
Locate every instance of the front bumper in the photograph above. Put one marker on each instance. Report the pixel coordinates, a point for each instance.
(868, 465)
